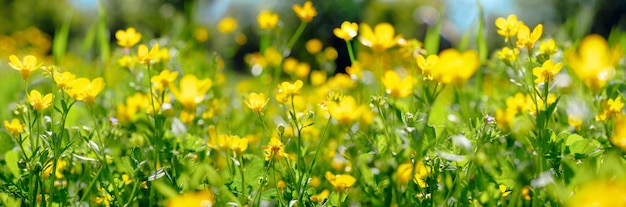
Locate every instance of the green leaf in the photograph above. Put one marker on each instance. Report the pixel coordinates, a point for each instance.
(61, 36)
(432, 39)
(580, 146)
(6, 142)
(11, 158)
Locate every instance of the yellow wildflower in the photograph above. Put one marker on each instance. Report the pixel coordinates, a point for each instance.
(26, 67)
(426, 65)
(355, 70)
(256, 102)
(318, 77)
(64, 80)
(289, 65)
(395, 87)
(191, 91)
(104, 199)
(320, 196)
(267, 20)
(575, 121)
(503, 191)
(508, 55)
(86, 91)
(507, 27)
(127, 61)
(313, 46)
(504, 118)
(305, 12)
(164, 79)
(274, 150)
(342, 182)
(241, 39)
(227, 25)
(126, 179)
(38, 101)
(619, 133)
(286, 90)
(273, 57)
(201, 34)
(454, 67)
(526, 39)
(380, 39)
(303, 70)
(61, 166)
(347, 31)
(519, 103)
(547, 71)
(331, 53)
(548, 47)
(127, 38)
(162, 56)
(420, 172)
(611, 108)
(600, 193)
(144, 56)
(237, 145)
(187, 116)
(201, 198)
(526, 193)
(594, 64)
(344, 111)
(14, 127)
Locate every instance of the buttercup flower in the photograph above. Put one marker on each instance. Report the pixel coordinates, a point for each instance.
(14, 127)
(527, 40)
(342, 182)
(127, 38)
(164, 79)
(504, 118)
(547, 71)
(86, 91)
(344, 111)
(201, 198)
(286, 89)
(593, 63)
(191, 91)
(507, 54)
(227, 25)
(274, 150)
(64, 80)
(267, 20)
(548, 47)
(238, 144)
(503, 191)
(144, 56)
(519, 103)
(305, 12)
(611, 108)
(26, 67)
(256, 102)
(454, 67)
(313, 46)
(420, 172)
(380, 39)
(619, 133)
(347, 31)
(507, 27)
(320, 196)
(38, 101)
(600, 193)
(395, 87)
(427, 65)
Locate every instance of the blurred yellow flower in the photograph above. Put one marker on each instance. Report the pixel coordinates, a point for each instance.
(162, 56)
(61, 166)
(14, 127)
(396, 87)
(426, 65)
(313, 46)
(420, 172)
(26, 67)
(347, 31)
(241, 39)
(64, 80)
(86, 91)
(104, 198)
(610, 108)
(344, 111)
(163, 80)
(144, 56)
(547, 71)
(355, 70)
(127, 38)
(341, 182)
(256, 102)
(519, 103)
(526, 39)
(318, 77)
(606, 193)
(380, 39)
(201, 34)
(575, 121)
(548, 47)
(227, 25)
(38, 101)
(594, 63)
(508, 55)
(237, 144)
(274, 150)
(331, 53)
(305, 12)
(267, 20)
(200, 198)
(273, 57)
(286, 90)
(320, 196)
(302, 70)
(126, 179)
(127, 61)
(504, 118)
(507, 27)
(454, 67)
(191, 91)
(619, 133)
(503, 191)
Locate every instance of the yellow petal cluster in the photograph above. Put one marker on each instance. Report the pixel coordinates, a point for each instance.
(38, 101)
(267, 20)
(256, 102)
(420, 172)
(82, 89)
(286, 90)
(347, 31)
(547, 71)
(305, 12)
(14, 127)
(227, 25)
(274, 150)
(26, 67)
(145, 56)
(594, 63)
(127, 38)
(396, 87)
(380, 39)
(192, 91)
(341, 182)
(455, 67)
(526, 39)
(507, 27)
(201, 198)
(610, 108)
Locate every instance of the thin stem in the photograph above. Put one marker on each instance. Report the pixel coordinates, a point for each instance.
(350, 52)
(296, 36)
(265, 128)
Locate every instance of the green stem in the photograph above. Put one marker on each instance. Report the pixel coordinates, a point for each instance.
(243, 189)
(296, 36)
(91, 184)
(350, 52)
(265, 128)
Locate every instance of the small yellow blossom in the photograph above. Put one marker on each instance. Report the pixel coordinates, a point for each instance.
(86, 91)
(619, 133)
(507, 27)
(289, 65)
(286, 90)
(454, 67)
(256, 102)
(547, 71)
(144, 56)
(426, 65)
(274, 150)
(313, 46)
(127, 61)
(526, 39)
(26, 67)
(355, 70)
(519, 103)
(331, 53)
(237, 144)
(38, 101)
(305, 12)
(318, 77)
(201, 198)
(302, 70)
(241, 39)
(526, 193)
(162, 56)
(347, 31)
(267, 20)
(575, 121)
(14, 127)
(594, 63)
(126, 179)
(201, 34)
(380, 39)
(64, 80)
(273, 57)
(227, 25)
(104, 198)
(164, 79)
(604, 193)
(420, 172)
(508, 55)
(320, 196)
(187, 116)
(341, 182)
(191, 91)
(344, 111)
(548, 47)
(503, 191)
(61, 166)
(504, 118)
(611, 108)
(396, 87)
(127, 38)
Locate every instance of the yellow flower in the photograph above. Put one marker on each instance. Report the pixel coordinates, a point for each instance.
(26, 67)
(395, 87)
(344, 111)
(267, 20)
(104, 199)
(619, 133)
(237, 144)
(318, 77)
(144, 56)
(320, 196)
(286, 90)
(227, 25)
(127, 38)
(305, 12)
(575, 121)
(342, 182)
(289, 65)
(507, 27)
(274, 150)
(303, 70)
(192, 91)
(508, 55)
(426, 65)
(611, 108)
(217, 142)
(187, 116)
(127, 61)
(355, 70)
(503, 190)
(600, 194)
(256, 102)
(380, 39)
(47, 169)
(504, 118)
(548, 47)
(201, 198)
(347, 31)
(455, 67)
(126, 179)
(526, 39)
(201, 34)
(594, 64)
(163, 55)
(547, 71)
(164, 79)
(14, 127)
(64, 80)
(420, 172)
(84, 90)
(313, 46)
(38, 101)
(519, 103)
